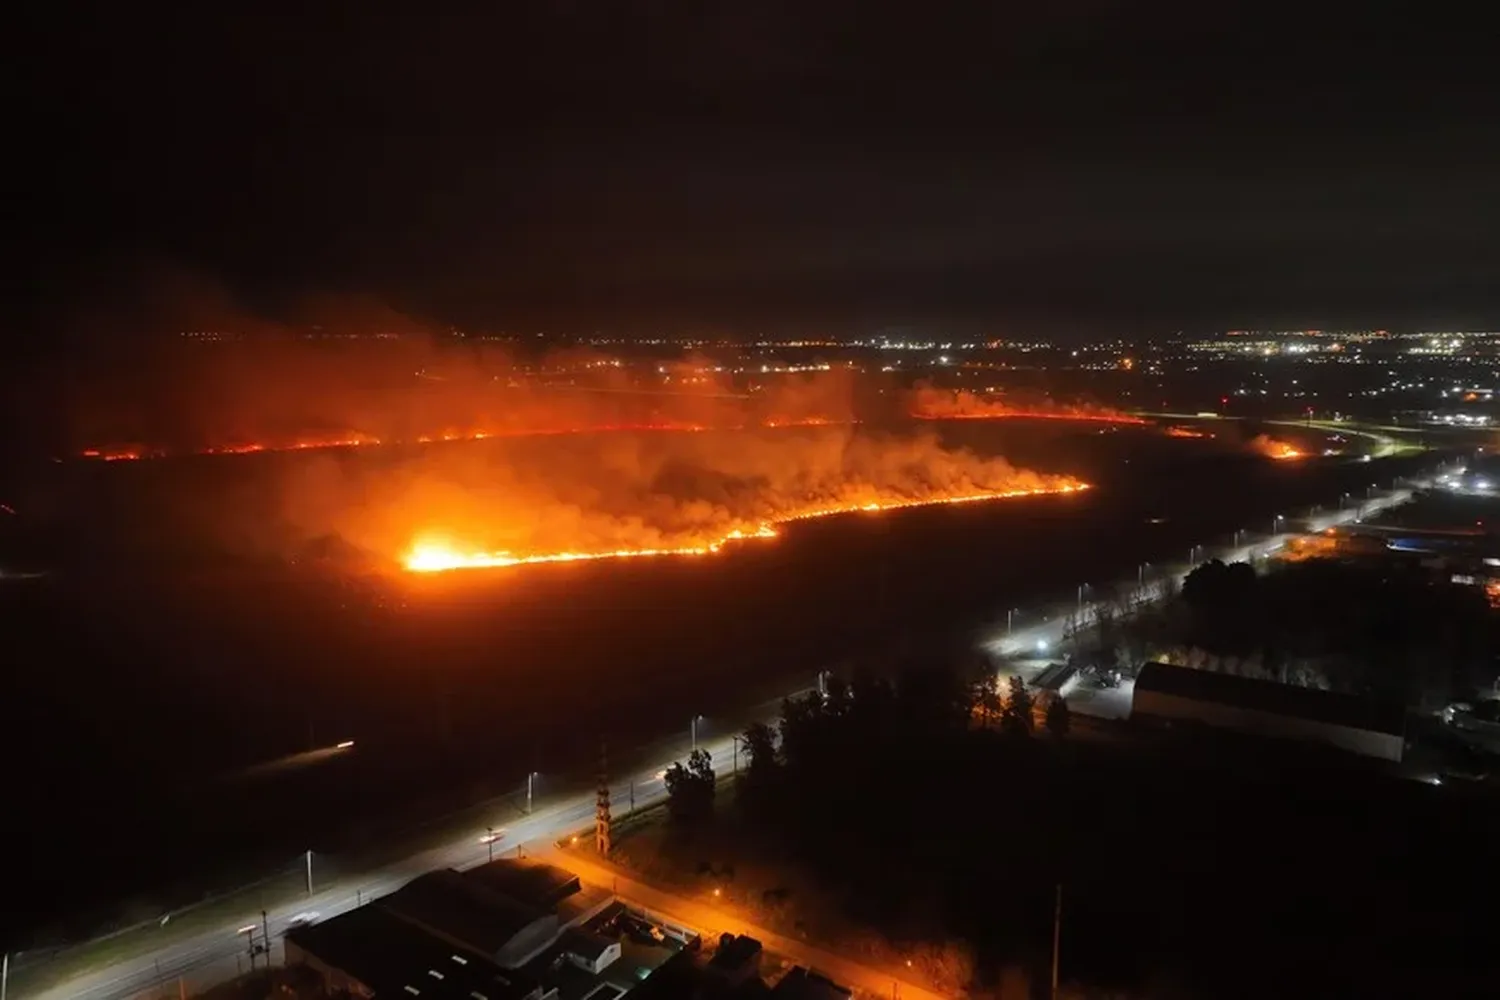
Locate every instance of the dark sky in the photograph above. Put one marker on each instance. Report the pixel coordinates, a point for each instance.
(1076, 165)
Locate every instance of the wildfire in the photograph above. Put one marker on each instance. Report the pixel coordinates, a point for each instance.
(929, 403)
(434, 556)
(1271, 448)
(133, 453)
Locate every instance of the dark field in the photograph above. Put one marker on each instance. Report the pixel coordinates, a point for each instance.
(175, 641)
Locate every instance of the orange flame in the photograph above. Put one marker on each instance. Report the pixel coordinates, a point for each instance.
(1271, 448)
(1187, 432)
(929, 403)
(433, 555)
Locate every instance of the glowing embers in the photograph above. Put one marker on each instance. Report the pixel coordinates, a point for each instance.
(433, 555)
(1272, 448)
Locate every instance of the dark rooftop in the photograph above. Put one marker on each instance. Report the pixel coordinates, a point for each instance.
(447, 903)
(531, 882)
(397, 959)
(803, 984)
(1327, 707)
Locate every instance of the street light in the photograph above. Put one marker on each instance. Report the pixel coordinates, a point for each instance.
(531, 777)
(1009, 619)
(693, 729)
(1140, 574)
(1276, 524)
(489, 841)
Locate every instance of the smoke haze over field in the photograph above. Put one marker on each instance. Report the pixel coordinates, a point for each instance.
(610, 493)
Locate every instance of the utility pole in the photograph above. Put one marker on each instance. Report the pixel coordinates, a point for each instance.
(1009, 619)
(1056, 937)
(530, 788)
(309, 873)
(489, 841)
(735, 740)
(601, 807)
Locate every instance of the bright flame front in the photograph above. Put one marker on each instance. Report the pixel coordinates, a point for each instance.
(432, 555)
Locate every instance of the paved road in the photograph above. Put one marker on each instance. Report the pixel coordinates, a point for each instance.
(217, 955)
(1049, 632)
(712, 919)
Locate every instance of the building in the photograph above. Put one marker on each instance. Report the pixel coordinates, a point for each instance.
(1182, 695)
(370, 952)
(737, 959)
(447, 928)
(804, 984)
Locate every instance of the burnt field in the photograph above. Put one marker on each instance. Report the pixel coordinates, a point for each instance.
(180, 634)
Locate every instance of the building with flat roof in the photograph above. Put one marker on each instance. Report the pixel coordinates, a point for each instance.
(1176, 695)
(804, 984)
(371, 952)
(464, 912)
(534, 883)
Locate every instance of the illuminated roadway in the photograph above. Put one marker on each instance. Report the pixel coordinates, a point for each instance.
(216, 955)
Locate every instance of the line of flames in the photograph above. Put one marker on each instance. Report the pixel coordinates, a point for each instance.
(434, 557)
(130, 454)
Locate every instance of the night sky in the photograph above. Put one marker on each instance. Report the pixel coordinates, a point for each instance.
(1080, 167)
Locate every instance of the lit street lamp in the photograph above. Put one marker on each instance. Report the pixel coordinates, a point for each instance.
(1276, 524)
(1140, 574)
(489, 840)
(530, 789)
(693, 729)
(1009, 620)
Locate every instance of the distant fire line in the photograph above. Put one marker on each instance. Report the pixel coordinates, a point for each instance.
(130, 454)
(434, 557)
(1106, 418)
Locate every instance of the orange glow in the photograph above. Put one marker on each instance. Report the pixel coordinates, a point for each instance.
(365, 440)
(1187, 432)
(929, 403)
(432, 554)
(1272, 448)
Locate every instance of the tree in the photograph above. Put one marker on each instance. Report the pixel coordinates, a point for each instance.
(759, 744)
(1059, 717)
(680, 793)
(1016, 719)
(701, 766)
(690, 789)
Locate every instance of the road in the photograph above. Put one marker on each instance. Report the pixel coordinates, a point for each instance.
(1046, 634)
(216, 955)
(713, 919)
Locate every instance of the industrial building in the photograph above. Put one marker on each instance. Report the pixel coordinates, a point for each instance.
(1181, 695)
(462, 934)
(513, 930)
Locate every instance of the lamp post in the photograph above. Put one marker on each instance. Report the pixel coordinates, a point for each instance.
(489, 841)
(309, 873)
(530, 790)
(735, 740)
(1010, 615)
(1276, 524)
(693, 729)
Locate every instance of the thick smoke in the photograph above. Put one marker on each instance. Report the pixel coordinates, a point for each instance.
(604, 493)
(927, 402)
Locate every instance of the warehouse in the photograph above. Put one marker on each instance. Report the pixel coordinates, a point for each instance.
(1182, 695)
